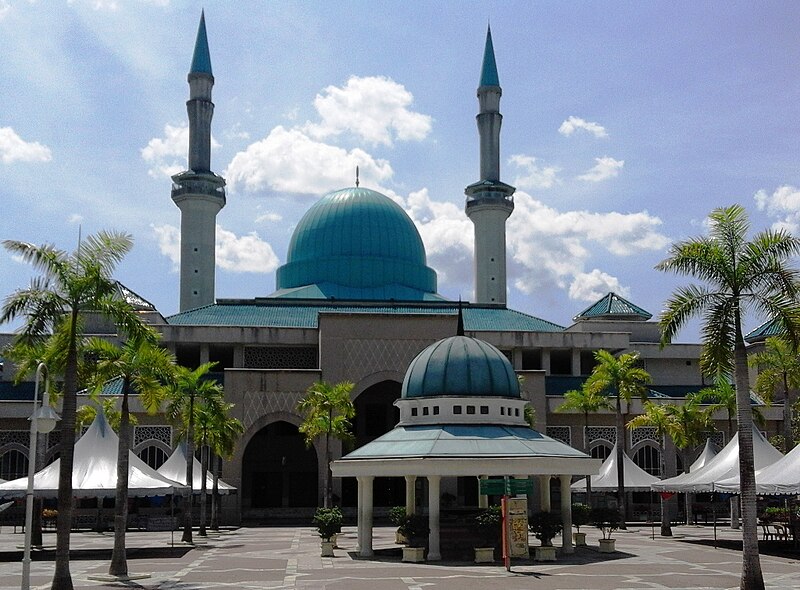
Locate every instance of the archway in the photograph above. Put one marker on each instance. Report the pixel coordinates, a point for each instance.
(376, 415)
(278, 471)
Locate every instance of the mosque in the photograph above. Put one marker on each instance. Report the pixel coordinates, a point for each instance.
(356, 301)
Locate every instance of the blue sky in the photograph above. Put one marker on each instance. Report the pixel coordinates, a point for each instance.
(625, 123)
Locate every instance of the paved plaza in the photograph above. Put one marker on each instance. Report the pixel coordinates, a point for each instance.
(289, 557)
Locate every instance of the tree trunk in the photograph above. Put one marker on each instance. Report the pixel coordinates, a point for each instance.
(326, 501)
(119, 562)
(666, 529)
(38, 503)
(586, 450)
(216, 463)
(621, 464)
(752, 577)
(203, 488)
(62, 580)
(187, 509)
(788, 402)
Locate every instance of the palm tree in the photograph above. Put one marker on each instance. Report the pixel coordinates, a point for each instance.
(327, 410)
(657, 416)
(188, 386)
(623, 378)
(206, 415)
(779, 367)
(738, 276)
(70, 284)
(721, 396)
(587, 401)
(144, 367)
(222, 433)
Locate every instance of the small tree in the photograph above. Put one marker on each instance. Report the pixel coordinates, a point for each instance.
(580, 515)
(779, 369)
(489, 526)
(545, 526)
(327, 410)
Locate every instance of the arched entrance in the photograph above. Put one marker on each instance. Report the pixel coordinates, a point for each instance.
(376, 415)
(278, 471)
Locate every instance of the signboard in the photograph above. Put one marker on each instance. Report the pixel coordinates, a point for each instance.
(517, 527)
(508, 487)
(492, 487)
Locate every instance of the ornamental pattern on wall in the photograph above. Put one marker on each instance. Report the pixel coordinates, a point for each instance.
(560, 433)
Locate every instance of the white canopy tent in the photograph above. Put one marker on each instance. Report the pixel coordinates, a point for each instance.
(723, 466)
(94, 473)
(780, 478)
(709, 452)
(174, 468)
(636, 478)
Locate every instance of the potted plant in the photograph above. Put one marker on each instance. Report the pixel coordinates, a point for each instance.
(607, 520)
(415, 529)
(397, 515)
(580, 517)
(545, 526)
(328, 522)
(488, 524)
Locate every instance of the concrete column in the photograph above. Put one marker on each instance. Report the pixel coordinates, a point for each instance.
(566, 514)
(516, 355)
(576, 361)
(204, 354)
(483, 500)
(365, 530)
(359, 514)
(546, 360)
(434, 553)
(544, 496)
(411, 484)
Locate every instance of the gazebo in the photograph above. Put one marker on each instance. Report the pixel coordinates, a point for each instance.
(461, 415)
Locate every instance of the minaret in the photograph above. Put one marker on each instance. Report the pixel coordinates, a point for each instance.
(198, 192)
(489, 201)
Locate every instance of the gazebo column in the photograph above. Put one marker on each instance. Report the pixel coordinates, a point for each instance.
(483, 499)
(544, 493)
(566, 514)
(359, 513)
(434, 553)
(411, 481)
(365, 511)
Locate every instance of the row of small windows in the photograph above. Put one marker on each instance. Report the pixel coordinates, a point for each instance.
(470, 410)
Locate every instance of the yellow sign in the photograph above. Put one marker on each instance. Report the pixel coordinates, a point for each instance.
(518, 527)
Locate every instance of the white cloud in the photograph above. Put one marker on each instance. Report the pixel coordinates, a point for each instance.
(167, 154)
(548, 247)
(783, 203)
(573, 124)
(271, 217)
(288, 160)
(98, 4)
(605, 168)
(532, 175)
(14, 149)
(373, 108)
(248, 253)
(5, 8)
(75, 218)
(593, 285)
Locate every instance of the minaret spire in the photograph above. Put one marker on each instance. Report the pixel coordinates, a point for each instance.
(489, 201)
(198, 192)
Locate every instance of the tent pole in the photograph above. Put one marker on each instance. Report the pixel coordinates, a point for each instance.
(172, 518)
(714, 513)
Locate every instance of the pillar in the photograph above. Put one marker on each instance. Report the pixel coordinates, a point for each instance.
(546, 360)
(365, 511)
(566, 514)
(576, 362)
(434, 553)
(411, 483)
(483, 500)
(544, 494)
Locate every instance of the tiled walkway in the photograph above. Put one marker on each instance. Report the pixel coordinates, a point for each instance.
(288, 558)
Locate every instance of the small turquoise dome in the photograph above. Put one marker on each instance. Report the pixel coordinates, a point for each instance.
(356, 243)
(460, 366)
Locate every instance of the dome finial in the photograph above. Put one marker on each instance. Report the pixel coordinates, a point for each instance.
(460, 328)
(357, 177)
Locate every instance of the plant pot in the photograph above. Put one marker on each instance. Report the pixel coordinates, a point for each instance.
(607, 545)
(335, 540)
(484, 554)
(414, 554)
(399, 538)
(545, 553)
(579, 539)
(327, 549)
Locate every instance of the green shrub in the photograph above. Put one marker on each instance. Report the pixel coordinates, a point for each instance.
(397, 514)
(415, 529)
(545, 526)
(606, 519)
(581, 513)
(489, 525)
(328, 522)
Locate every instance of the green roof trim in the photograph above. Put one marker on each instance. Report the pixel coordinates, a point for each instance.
(289, 313)
(489, 75)
(201, 60)
(612, 306)
(764, 331)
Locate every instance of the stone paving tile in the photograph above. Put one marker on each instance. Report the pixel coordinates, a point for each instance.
(288, 558)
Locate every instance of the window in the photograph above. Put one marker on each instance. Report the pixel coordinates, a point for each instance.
(516, 412)
(456, 409)
(648, 459)
(425, 411)
(153, 456)
(601, 452)
(470, 409)
(13, 465)
(502, 411)
(484, 409)
(435, 410)
(413, 411)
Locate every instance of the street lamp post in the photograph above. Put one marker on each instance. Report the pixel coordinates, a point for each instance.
(42, 420)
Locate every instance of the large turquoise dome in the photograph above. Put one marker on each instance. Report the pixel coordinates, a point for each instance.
(460, 366)
(356, 243)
